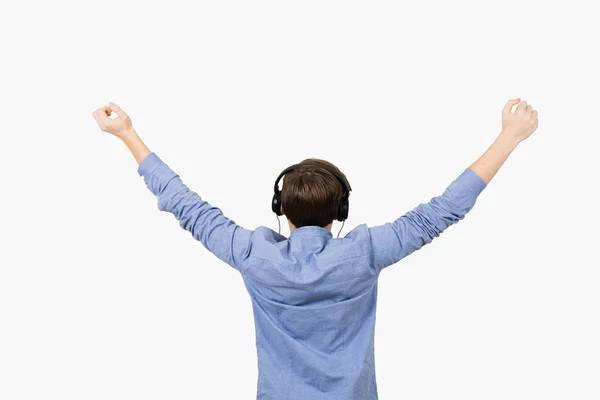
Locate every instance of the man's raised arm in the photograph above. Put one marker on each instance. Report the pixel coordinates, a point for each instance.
(207, 224)
(395, 240)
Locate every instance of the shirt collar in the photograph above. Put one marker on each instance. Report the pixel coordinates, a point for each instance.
(311, 230)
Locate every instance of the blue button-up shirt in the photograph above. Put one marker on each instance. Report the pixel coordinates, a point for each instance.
(313, 296)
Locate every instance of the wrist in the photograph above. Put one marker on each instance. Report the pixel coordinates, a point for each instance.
(508, 141)
(128, 135)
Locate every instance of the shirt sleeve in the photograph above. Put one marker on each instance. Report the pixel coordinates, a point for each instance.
(207, 224)
(395, 240)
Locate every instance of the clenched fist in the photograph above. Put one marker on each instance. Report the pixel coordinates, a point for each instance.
(120, 126)
(521, 123)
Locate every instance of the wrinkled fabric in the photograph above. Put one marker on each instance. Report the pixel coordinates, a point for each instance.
(313, 296)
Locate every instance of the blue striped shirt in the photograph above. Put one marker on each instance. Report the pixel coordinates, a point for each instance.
(313, 295)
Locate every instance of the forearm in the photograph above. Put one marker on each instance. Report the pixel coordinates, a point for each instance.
(135, 145)
(490, 162)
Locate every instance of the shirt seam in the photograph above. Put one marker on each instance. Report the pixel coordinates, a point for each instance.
(285, 266)
(266, 259)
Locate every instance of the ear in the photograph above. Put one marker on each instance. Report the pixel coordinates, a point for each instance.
(281, 209)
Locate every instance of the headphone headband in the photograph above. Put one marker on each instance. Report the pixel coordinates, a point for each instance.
(343, 181)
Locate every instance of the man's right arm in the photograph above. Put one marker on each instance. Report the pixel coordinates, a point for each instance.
(395, 240)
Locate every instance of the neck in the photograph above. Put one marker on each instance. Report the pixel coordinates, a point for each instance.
(293, 227)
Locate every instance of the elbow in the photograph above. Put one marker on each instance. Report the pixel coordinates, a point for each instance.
(429, 229)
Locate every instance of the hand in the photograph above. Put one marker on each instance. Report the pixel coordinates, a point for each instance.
(120, 126)
(521, 123)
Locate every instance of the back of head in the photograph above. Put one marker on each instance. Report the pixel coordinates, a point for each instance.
(311, 195)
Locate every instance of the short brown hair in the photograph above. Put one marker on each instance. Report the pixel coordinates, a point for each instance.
(311, 195)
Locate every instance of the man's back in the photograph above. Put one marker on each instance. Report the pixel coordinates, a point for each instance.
(314, 301)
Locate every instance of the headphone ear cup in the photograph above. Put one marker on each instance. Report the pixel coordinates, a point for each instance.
(276, 204)
(343, 209)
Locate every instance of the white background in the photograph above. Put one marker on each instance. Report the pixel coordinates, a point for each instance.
(102, 296)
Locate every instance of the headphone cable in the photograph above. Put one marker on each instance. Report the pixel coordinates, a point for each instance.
(279, 223)
(343, 222)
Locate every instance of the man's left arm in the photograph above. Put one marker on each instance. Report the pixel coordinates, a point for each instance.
(207, 224)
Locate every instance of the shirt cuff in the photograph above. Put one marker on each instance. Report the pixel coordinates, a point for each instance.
(149, 164)
(472, 181)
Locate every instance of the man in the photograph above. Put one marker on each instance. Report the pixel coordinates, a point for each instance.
(314, 296)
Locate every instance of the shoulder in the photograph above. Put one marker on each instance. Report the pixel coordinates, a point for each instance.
(358, 233)
(358, 238)
(265, 234)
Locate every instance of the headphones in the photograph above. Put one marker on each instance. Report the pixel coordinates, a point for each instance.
(343, 207)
